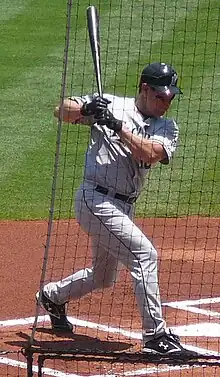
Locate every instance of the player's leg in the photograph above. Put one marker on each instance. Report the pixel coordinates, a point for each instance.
(113, 221)
(98, 213)
(102, 274)
(115, 238)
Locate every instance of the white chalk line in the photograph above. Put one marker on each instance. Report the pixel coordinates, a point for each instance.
(182, 305)
(185, 305)
(189, 306)
(75, 322)
(195, 329)
(201, 301)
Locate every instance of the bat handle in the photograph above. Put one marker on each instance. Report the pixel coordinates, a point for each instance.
(100, 92)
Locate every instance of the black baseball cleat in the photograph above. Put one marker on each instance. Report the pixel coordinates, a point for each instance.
(168, 345)
(57, 313)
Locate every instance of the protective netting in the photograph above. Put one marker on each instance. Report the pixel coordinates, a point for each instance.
(178, 209)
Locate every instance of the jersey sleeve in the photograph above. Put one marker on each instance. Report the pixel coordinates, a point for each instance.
(89, 97)
(82, 99)
(167, 135)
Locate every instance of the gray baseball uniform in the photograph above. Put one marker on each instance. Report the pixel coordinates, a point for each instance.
(104, 209)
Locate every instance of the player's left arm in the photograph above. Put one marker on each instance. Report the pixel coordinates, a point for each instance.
(80, 109)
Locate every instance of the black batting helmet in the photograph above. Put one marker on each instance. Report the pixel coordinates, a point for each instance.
(161, 77)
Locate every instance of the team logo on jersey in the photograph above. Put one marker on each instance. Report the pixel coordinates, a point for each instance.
(174, 79)
(143, 131)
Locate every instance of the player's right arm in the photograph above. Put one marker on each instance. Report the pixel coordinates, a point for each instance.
(81, 110)
(70, 111)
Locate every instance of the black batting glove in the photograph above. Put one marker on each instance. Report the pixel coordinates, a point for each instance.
(95, 107)
(107, 119)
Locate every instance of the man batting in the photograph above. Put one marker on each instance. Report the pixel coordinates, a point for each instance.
(128, 137)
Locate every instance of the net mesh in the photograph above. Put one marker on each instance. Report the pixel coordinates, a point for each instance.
(178, 209)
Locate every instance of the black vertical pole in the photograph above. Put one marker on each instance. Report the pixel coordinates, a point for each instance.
(40, 365)
(29, 357)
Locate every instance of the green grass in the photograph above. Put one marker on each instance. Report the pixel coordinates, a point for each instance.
(132, 34)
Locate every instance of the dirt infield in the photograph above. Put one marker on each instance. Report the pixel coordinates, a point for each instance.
(189, 271)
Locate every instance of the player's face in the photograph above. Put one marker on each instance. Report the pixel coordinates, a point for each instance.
(157, 103)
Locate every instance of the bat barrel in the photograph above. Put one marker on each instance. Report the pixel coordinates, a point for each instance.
(93, 29)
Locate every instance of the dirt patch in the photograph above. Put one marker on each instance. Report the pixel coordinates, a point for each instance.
(189, 269)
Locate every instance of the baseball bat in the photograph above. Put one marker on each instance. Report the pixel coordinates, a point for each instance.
(94, 37)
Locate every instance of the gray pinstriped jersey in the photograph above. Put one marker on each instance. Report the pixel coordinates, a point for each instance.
(109, 162)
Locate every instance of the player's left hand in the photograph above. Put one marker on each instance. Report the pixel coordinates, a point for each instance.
(106, 118)
(96, 106)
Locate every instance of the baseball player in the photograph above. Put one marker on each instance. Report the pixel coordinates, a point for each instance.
(128, 137)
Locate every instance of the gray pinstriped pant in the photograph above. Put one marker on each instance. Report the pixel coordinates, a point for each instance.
(115, 240)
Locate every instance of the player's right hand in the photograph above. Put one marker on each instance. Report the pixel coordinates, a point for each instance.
(95, 107)
(106, 118)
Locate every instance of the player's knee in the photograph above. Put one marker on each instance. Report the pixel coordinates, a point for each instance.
(153, 254)
(147, 260)
(147, 253)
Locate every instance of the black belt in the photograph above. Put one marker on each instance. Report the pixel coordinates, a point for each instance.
(124, 198)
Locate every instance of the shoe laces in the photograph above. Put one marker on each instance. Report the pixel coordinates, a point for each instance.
(174, 337)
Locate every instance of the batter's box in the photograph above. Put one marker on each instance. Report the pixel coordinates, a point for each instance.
(193, 306)
(199, 307)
